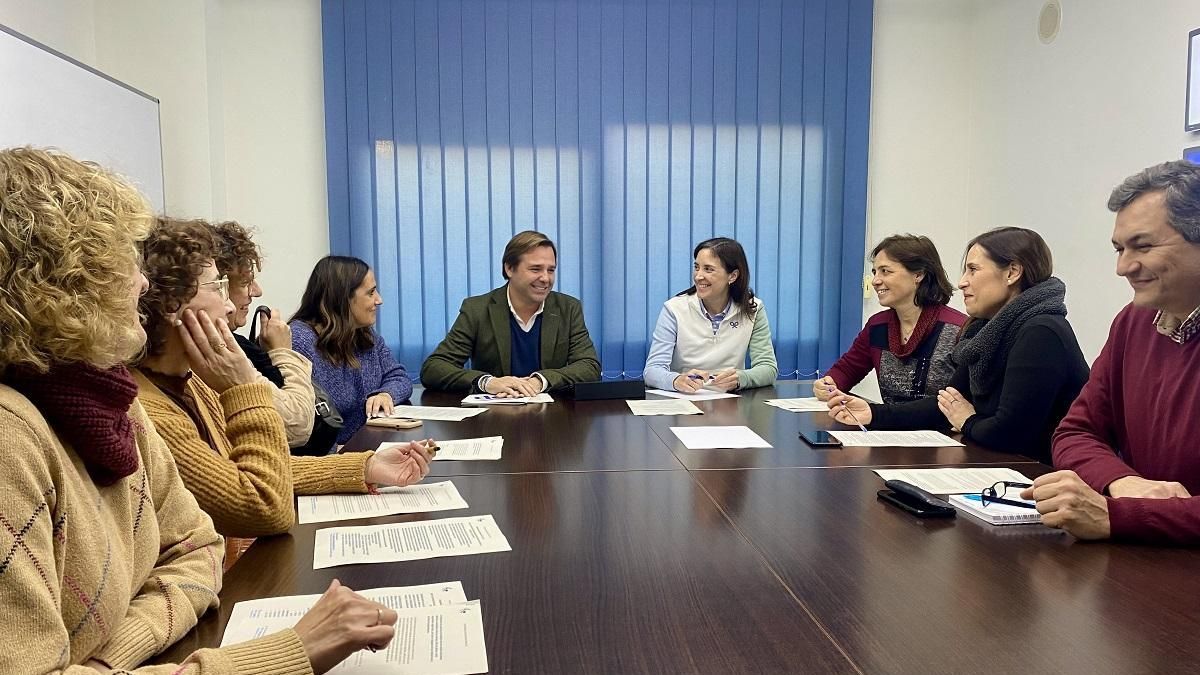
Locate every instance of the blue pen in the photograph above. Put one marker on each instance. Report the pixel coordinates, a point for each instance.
(693, 376)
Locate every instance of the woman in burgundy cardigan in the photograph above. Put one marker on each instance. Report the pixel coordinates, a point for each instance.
(908, 345)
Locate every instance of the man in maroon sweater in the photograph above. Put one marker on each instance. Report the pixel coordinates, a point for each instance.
(1129, 448)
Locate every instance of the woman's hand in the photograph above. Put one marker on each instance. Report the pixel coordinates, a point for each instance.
(692, 381)
(380, 405)
(726, 380)
(276, 333)
(401, 464)
(824, 388)
(213, 353)
(341, 623)
(849, 409)
(955, 407)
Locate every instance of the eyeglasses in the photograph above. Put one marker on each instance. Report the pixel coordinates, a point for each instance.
(995, 494)
(222, 286)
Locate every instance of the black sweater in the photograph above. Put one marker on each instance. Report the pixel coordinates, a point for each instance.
(1044, 372)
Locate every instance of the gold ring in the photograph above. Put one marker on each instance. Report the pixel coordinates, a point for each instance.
(217, 344)
(378, 616)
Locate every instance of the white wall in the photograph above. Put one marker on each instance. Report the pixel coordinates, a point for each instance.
(241, 104)
(63, 25)
(274, 131)
(976, 124)
(921, 81)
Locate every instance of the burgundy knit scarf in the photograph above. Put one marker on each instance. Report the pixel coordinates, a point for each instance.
(89, 409)
(925, 323)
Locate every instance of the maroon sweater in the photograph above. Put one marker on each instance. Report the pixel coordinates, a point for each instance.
(1136, 417)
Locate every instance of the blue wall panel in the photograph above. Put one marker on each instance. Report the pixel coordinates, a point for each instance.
(627, 131)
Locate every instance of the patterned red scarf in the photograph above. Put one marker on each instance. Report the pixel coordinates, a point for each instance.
(89, 409)
(924, 324)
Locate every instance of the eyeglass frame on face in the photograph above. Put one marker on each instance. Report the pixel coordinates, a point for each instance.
(222, 286)
(989, 494)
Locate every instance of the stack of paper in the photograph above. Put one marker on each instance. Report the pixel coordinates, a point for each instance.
(996, 514)
(703, 438)
(492, 399)
(433, 412)
(669, 406)
(408, 541)
(810, 404)
(901, 439)
(702, 395)
(953, 481)
(390, 501)
(437, 631)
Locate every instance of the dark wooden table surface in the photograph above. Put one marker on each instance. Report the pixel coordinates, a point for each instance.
(904, 595)
(632, 554)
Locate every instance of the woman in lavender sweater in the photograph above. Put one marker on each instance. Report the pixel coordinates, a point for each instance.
(334, 329)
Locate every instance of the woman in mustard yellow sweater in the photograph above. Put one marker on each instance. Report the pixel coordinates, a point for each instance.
(110, 560)
(214, 411)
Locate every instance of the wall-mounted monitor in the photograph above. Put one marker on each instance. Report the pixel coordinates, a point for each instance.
(1191, 120)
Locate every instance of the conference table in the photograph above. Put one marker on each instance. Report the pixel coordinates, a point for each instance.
(633, 554)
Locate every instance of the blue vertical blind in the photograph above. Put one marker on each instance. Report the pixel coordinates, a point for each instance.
(627, 132)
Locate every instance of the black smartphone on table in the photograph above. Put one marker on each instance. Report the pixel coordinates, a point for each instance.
(914, 500)
(819, 438)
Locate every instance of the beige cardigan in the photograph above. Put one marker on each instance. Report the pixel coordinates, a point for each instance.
(295, 400)
(114, 573)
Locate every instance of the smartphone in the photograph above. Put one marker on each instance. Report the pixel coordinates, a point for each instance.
(915, 500)
(393, 422)
(820, 439)
(917, 507)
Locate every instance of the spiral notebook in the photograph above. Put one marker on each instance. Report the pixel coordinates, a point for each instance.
(995, 514)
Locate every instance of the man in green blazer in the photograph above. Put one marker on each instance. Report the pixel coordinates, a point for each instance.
(522, 338)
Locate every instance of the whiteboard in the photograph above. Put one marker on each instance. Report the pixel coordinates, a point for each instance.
(50, 100)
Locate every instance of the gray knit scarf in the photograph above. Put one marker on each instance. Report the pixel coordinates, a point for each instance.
(985, 349)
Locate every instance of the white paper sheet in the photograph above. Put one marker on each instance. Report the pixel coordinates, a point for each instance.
(251, 619)
(953, 481)
(902, 439)
(408, 541)
(441, 496)
(809, 404)
(492, 399)
(669, 406)
(433, 412)
(488, 447)
(702, 395)
(703, 438)
(435, 637)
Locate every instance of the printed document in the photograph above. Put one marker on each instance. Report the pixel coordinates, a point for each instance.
(953, 481)
(703, 438)
(902, 439)
(408, 541)
(810, 404)
(670, 406)
(470, 448)
(702, 395)
(433, 412)
(436, 632)
(390, 501)
(252, 619)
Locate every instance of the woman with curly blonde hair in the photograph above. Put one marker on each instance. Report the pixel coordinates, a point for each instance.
(112, 559)
(217, 413)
